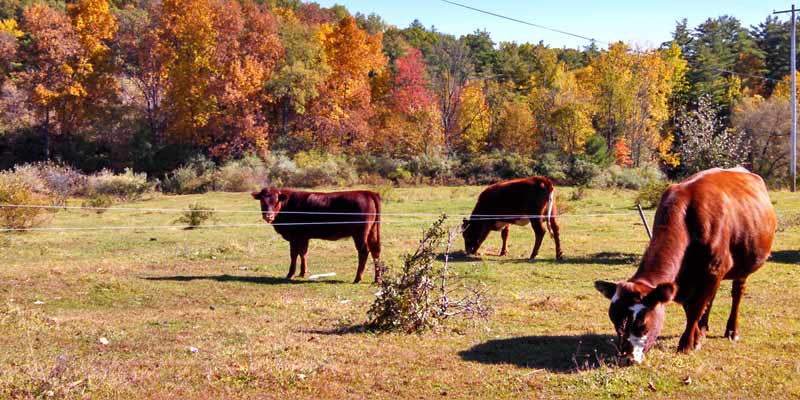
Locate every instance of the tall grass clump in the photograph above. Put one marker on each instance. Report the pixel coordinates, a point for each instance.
(196, 215)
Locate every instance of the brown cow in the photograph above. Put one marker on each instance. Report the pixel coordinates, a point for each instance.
(717, 224)
(517, 201)
(300, 216)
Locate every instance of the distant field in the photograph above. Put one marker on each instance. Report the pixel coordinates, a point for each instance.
(153, 294)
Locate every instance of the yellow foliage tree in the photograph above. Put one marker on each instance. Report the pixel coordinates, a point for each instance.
(342, 111)
(474, 120)
(187, 30)
(783, 89)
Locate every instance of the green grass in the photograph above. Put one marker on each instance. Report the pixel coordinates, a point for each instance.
(155, 293)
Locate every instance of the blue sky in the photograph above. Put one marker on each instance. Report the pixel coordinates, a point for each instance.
(643, 23)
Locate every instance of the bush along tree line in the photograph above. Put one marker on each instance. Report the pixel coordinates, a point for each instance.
(214, 94)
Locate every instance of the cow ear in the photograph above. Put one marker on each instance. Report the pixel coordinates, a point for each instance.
(606, 288)
(256, 195)
(282, 197)
(663, 293)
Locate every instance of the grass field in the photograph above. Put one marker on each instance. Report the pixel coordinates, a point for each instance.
(153, 294)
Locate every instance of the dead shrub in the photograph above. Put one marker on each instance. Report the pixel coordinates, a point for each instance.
(425, 293)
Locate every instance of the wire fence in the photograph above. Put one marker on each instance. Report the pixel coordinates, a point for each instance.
(328, 218)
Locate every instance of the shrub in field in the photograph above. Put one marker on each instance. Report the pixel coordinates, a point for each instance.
(627, 178)
(184, 180)
(650, 194)
(551, 166)
(489, 168)
(14, 189)
(419, 297)
(578, 193)
(580, 172)
(127, 186)
(249, 173)
(280, 169)
(437, 167)
(385, 191)
(99, 202)
(195, 216)
(61, 181)
(196, 176)
(318, 169)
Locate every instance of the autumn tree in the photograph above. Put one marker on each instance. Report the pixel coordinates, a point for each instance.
(300, 74)
(53, 70)
(474, 122)
(188, 33)
(145, 61)
(766, 125)
(96, 28)
(248, 50)
(408, 118)
(341, 113)
(706, 142)
(8, 46)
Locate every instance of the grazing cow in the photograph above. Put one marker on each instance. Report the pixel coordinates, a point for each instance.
(717, 224)
(517, 201)
(300, 216)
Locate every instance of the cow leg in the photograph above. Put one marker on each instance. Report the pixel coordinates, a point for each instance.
(703, 323)
(556, 238)
(374, 243)
(363, 253)
(504, 235)
(302, 250)
(538, 230)
(732, 329)
(695, 306)
(293, 267)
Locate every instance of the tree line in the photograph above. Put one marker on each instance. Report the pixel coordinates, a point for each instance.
(150, 84)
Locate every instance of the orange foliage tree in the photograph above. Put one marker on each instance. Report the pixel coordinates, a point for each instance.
(339, 116)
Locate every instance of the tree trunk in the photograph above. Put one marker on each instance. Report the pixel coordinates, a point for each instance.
(46, 134)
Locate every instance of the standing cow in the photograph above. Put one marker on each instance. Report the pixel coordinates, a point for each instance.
(300, 216)
(718, 224)
(518, 201)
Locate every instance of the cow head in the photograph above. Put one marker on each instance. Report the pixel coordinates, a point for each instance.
(474, 233)
(271, 202)
(637, 312)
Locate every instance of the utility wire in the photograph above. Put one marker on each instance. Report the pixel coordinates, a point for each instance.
(525, 22)
(563, 32)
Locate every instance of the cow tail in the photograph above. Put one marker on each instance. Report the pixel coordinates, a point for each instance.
(551, 203)
(377, 223)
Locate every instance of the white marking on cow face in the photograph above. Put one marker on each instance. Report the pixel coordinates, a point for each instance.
(615, 297)
(636, 308)
(638, 344)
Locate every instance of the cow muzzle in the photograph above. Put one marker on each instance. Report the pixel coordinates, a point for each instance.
(269, 217)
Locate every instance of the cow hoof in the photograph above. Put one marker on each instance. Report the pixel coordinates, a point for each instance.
(732, 336)
(560, 257)
(502, 254)
(357, 280)
(289, 277)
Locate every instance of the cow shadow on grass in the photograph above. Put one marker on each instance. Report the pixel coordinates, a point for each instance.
(604, 258)
(261, 280)
(339, 331)
(785, 256)
(558, 354)
(458, 256)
